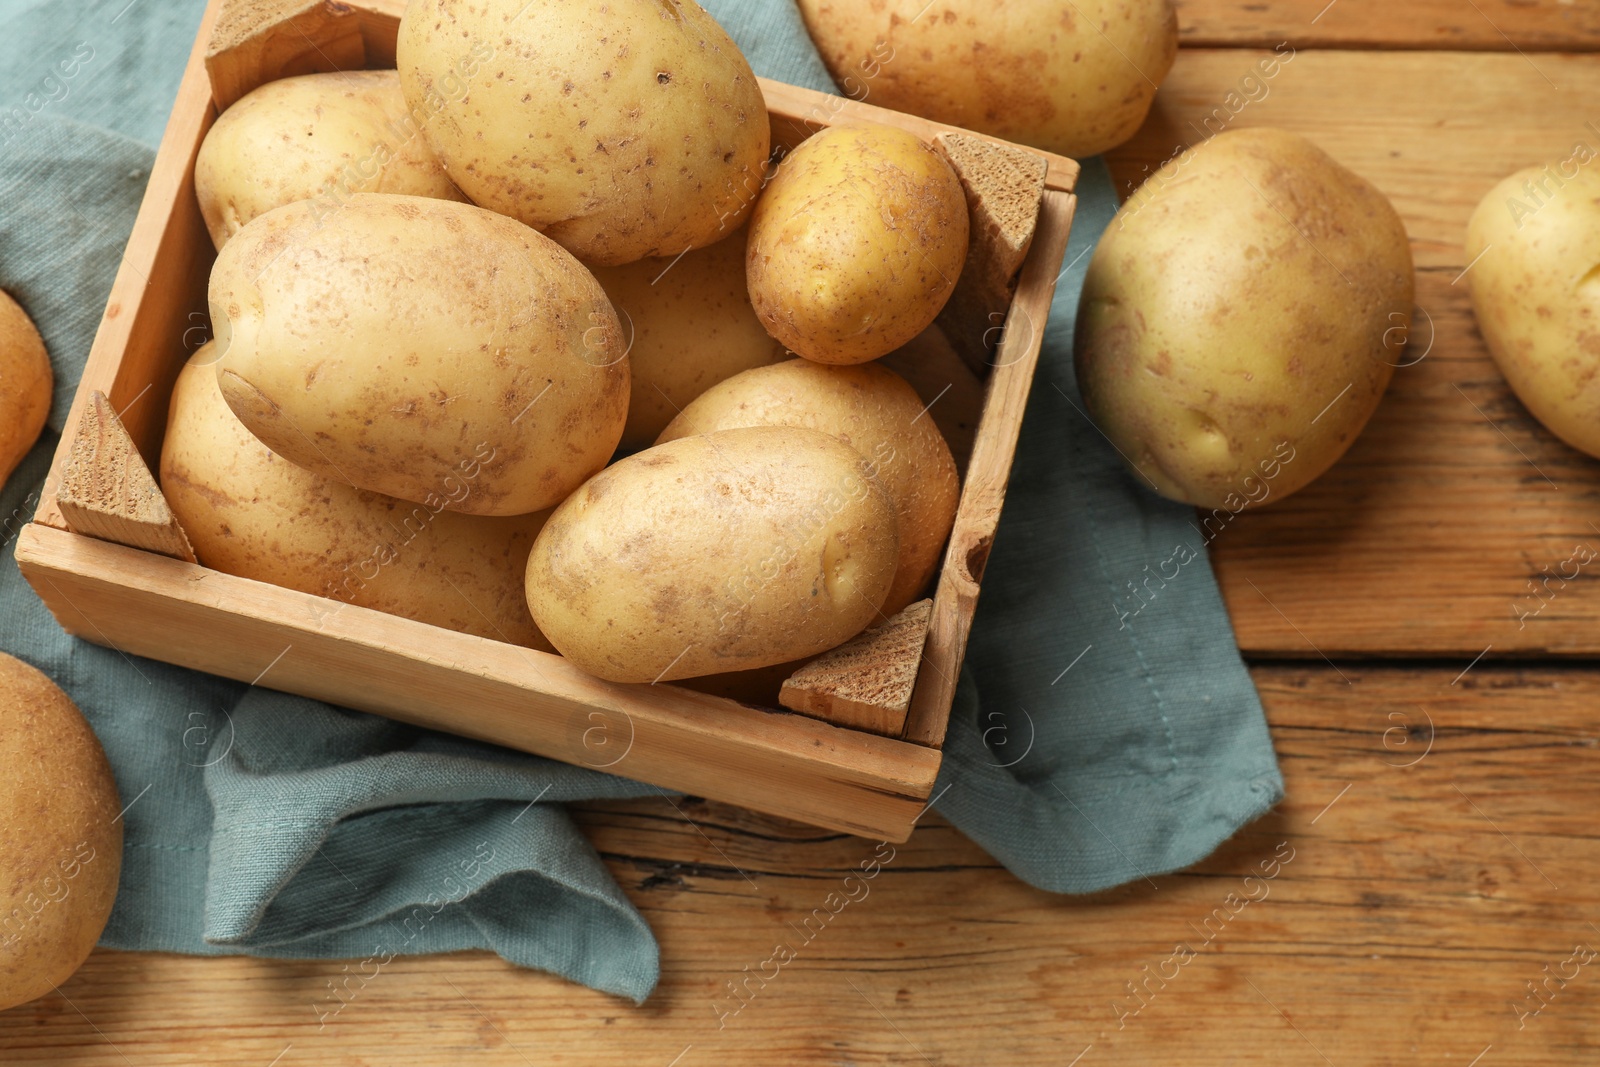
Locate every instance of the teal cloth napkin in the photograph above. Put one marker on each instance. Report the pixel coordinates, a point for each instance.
(1090, 744)
(1105, 729)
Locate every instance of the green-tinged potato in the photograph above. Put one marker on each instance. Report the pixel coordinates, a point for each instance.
(26, 383)
(629, 129)
(690, 325)
(856, 243)
(394, 343)
(1075, 78)
(1242, 317)
(252, 513)
(60, 835)
(722, 552)
(1536, 291)
(317, 136)
(874, 411)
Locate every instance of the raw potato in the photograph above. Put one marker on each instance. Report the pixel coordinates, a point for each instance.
(254, 514)
(629, 129)
(26, 383)
(1074, 78)
(946, 384)
(60, 838)
(400, 340)
(722, 552)
(1241, 318)
(871, 409)
(316, 137)
(856, 243)
(690, 325)
(1536, 292)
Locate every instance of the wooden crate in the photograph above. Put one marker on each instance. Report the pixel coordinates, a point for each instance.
(149, 604)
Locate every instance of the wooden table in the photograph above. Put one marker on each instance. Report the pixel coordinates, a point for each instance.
(1436, 852)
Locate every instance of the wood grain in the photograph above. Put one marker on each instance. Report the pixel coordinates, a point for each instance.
(148, 605)
(1414, 909)
(109, 493)
(1003, 186)
(983, 491)
(1479, 25)
(1425, 538)
(865, 683)
(1433, 131)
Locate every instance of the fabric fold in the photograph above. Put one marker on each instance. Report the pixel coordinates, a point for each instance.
(331, 825)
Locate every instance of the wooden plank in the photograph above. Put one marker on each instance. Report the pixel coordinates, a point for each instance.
(1404, 927)
(1425, 537)
(109, 493)
(1481, 25)
(176, 612)
(1433, 154)
(984, 491)
(1495, 25)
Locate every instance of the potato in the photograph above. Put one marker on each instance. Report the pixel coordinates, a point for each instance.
(1536, 292)
(690, 325)
(60, 835)
(721, 552)
(26, 384)
(1241, 318)
(871, 409)
(316, 137)
(251, 513)
(856, 243)
(631, 129)
(403, 342)
(1072, 78)
(944, 381)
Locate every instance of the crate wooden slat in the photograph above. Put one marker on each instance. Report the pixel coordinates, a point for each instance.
(150, 605)
(984, 493)
(766, 759)
(1479, 26)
